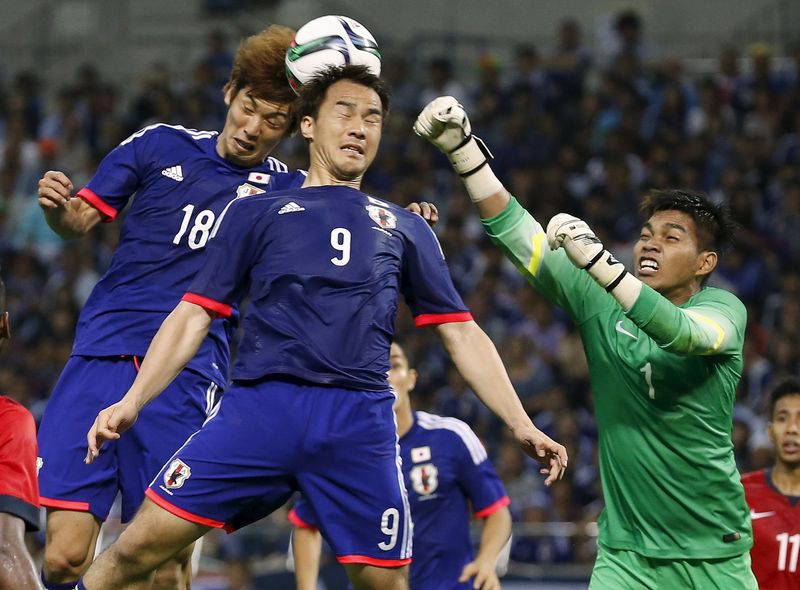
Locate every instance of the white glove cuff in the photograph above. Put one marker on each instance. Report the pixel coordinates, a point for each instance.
(610, 273)
(627, 291)
(468, 157)
(470, 161)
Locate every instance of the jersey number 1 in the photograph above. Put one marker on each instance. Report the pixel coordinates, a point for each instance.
(648, 378)
(785, 540)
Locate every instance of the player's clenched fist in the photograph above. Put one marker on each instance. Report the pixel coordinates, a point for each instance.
(545, 450)
(109, 425)
(55, 189)
(584, 249)
(444, 123)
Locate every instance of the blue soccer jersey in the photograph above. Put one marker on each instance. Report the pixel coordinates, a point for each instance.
(182, 187)
(446, 470)
(323, 267)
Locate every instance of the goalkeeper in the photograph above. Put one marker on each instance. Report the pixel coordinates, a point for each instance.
(665, 357)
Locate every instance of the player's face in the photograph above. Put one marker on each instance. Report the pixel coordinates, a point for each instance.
(784, 429)
(253, 127)
(667, 256)
(346, 132)
(402, 378)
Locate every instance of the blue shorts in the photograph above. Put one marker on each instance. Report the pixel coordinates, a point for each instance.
(86, 386)
(271, 438)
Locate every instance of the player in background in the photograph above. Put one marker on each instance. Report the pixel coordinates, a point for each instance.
(19, 490)
(665, 357)
(309, 408)
(773, 495)
(184, 180)
(446, 473)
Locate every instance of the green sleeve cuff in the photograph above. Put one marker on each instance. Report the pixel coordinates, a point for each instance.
(645, 306)
(505, 220)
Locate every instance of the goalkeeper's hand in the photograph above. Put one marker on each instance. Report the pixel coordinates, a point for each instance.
(444, 123)
(584, 249)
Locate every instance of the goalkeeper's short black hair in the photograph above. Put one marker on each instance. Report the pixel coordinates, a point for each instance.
(715, 227)
(787, 386)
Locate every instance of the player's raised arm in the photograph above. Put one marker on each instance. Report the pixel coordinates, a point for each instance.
(478, 361)
(67, 216)
(173, 346)
(714, 324)
(514, 230)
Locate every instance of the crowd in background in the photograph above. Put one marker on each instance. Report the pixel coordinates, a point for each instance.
(569, 132)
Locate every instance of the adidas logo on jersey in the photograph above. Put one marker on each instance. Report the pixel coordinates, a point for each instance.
(173, 172)
(290, 207)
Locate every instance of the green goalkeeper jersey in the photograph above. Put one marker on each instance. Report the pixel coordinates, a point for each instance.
(664, 379)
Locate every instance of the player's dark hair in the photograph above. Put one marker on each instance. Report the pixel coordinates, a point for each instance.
(2, 296)
(406, 351)
(715, 227)
(313, 92)
(787, 386)
(260, 65)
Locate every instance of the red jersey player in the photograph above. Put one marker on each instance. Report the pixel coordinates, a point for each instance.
(19, 491)
(773, 495)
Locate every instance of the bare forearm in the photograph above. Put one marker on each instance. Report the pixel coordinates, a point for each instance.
(476, 358)
(173, 346)
(72, 220)
(496, 531)
(306, 547)
(493, 205)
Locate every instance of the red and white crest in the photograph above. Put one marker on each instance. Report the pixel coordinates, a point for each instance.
(248, 190)
(382, 216)
(424, 479)
(177, 474)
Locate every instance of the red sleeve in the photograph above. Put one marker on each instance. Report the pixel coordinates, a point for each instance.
(19, 488)
(107, 211)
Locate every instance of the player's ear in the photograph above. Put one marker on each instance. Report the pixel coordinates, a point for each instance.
(228, 95)
(307, 127)
(706, 263)
(412, 379)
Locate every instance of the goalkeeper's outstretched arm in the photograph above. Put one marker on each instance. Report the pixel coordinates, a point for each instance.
(445, 124)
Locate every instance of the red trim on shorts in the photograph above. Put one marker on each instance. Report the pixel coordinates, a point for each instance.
(222, 309)
(427, 319)
(373, 560)
(136, 363)
(64, 504)
(492, 508)
(180, 512)
(104, 208)
(299, 522)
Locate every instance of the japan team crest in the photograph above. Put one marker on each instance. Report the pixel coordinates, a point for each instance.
(382, 216)
(177, 474)
(424, 479)
(248, 190)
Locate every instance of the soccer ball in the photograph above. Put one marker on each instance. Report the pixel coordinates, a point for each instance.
(330, 41)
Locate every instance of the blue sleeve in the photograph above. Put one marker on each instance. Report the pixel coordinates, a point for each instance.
(119, 175)
(223, 279)
(426, 282)
(478, 478)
